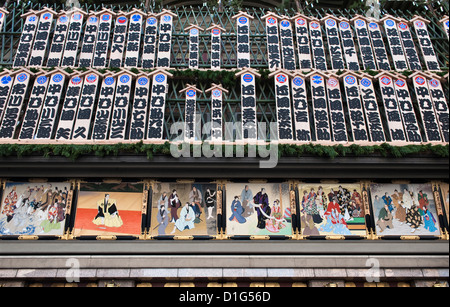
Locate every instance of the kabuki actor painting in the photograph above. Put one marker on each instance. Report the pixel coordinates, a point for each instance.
(109, 209)
(184, 209)
(258, 209)
(34, 208)
(404, 209)
(331, 209)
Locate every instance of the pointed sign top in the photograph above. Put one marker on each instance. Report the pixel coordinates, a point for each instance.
(192, 26)
(385, 73)
(248, 70)
(300, 16)
(105, 11)
(125, 71)
(46, 10)
(216, 26)
(242, 14)
(216, 87)
(419, 18)
(29, 13)
(271, 14)
(329, 16)
(350, 73)
(386, 17)
(316, 72)
(136, 11)
(357, 17)
(444, 19)
(4, 10)
(418, 73)
(75, 10)
(281, 71)
(167, 12)
(190, 87)
(161, 71)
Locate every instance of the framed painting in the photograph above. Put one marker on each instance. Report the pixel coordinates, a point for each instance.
(109, 209)
(404, 210)
(35, 208)
(445, 198)
(332, 209)
(258, 209)
(184, 209)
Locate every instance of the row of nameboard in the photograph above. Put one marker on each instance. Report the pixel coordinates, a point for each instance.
(131, 40)
(255, 209)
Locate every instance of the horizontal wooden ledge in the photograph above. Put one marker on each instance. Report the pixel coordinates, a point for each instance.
(306, 247)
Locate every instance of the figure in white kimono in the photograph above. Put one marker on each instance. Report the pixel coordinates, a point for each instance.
(186, 219)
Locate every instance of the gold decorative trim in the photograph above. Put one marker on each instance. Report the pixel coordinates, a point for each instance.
(409, 238)
(26, 237)
(106, 238)
(186, 238)
(259, 237)
(335, 237)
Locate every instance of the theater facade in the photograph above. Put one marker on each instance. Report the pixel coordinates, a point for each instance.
(214, 146)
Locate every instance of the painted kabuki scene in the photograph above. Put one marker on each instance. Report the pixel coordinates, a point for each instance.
(109, 209)
(404, 209)
(331, 209)
(184, 209)
(34, 208)
(445, 195)
(258, 209)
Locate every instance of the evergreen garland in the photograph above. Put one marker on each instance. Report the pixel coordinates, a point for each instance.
(74, 152)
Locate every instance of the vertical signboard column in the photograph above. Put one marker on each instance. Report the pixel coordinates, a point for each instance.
(103, 36)
(81, 129)
(320, 107)
(355, 108)
(33, 112)
(118, 41)
(88, 47)
(14, 104)
(26, 39)
(395, 44)
(318, 48)
(150, 37)
(337, 117)
(287, 44)
(348, 44)
(300, 109)
(194, 42)
(139, 112)
(134, 39)
(6, 82)
(365, 46)
(334, 43)
(371, 110)
(216, 46)
(408, 45)
(428, 115)
(407, 110)
(119, 118)
(216, 112)
(69, 57)
(243, 39)
(46, 124)
(440, 106)
(69, 108)
(379, 47)
(283, 103)
(273, 41)
(248, 104)
(42, 36)
(58, 41)
(303, 46)
(157, 105)
(426, 46)
(391, 108)
(165, 38)
(104, 108)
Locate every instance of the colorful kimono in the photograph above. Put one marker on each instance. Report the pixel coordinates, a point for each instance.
(237, 210)
(388, 201)
(108, 214)
(186, 220)
(430, 221)
(335, 221)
